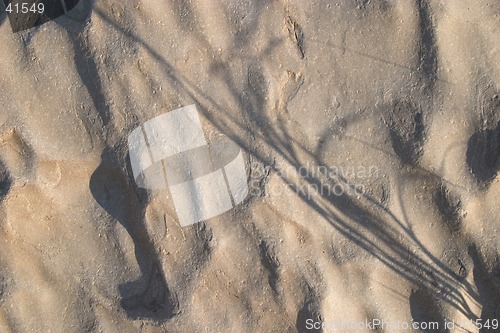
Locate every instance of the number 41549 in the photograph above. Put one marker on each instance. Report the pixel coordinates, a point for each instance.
(25, 8)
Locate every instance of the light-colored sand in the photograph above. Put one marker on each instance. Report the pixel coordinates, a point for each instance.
(400, 97)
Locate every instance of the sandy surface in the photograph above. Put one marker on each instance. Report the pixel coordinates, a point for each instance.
(399, 100)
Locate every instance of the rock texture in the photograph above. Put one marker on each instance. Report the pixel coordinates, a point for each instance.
(372, 143)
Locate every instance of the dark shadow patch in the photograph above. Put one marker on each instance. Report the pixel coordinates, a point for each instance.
(489, 292)
(483, 154)
(5, 181)
(89, 73)
(77, 16)
(407, 131)
(308, 314)
(271, 264)
(150, 296)
(3, 13)
(424, 309)
(296, 35)
(450, 207)
(428, 51)
(3, 285)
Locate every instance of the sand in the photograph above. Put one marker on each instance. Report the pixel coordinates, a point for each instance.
(371, 137)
